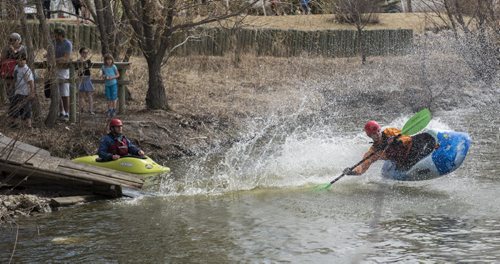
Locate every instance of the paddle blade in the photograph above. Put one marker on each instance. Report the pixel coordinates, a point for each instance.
(417, 122)
(322, 187)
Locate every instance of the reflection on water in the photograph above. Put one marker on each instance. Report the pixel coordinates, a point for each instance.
(442, 238)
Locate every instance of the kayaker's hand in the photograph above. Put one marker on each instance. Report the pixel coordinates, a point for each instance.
(115, 157)
(348, 171)
(141, 153)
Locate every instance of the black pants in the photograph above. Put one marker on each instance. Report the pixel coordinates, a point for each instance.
(77, 5)
(422, 145)
(20, 107)
(46, 8)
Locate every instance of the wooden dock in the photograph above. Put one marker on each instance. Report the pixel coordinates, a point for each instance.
(26, 166)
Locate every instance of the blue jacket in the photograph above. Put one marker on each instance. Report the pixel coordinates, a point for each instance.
(109, 140)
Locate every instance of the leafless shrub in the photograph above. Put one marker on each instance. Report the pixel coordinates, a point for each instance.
(357, 12)
(475, 27)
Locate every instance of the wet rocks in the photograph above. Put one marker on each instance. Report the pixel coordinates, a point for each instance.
(12, 206)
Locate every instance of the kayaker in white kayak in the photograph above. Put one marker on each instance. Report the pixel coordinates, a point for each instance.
(115, 145)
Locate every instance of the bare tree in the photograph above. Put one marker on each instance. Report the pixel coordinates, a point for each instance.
(154, 24)
(358, 13)
(475, 24)
(108, 17)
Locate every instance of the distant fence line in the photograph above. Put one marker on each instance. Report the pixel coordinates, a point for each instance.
(80, 35)
(290, 43)
(262, 42)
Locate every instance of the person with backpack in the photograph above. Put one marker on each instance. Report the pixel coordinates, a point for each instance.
(8, 61)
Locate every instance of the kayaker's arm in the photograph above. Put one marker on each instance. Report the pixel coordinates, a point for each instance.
(371, 156)
(133, 149)
(103, 149)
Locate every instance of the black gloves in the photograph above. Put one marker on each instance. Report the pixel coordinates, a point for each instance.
(348, 171)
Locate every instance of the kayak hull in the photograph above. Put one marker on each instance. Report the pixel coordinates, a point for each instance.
(447, 157)
(145, 167)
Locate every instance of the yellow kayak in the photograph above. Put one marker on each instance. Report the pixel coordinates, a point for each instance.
(142, 166)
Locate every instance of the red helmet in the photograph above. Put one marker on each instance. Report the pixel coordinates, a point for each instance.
(115, 122)
(372, 127)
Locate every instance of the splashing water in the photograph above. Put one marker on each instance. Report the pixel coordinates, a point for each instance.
(278, 153)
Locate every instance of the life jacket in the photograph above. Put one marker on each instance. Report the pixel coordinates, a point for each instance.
(119, 147)
(397, 151)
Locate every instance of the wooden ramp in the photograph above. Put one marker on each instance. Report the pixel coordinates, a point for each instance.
(28, 166)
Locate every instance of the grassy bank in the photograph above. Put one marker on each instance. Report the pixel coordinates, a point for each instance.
(416, 21)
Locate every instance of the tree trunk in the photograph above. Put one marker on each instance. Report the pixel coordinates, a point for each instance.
(156, 97)
(101, 22)
(50, 121)
(361, 46)
(110, 28)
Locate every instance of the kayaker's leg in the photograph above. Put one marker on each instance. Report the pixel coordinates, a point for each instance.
(422, 145)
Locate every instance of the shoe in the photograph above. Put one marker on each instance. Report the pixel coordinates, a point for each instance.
(66, 117)
(92, 113)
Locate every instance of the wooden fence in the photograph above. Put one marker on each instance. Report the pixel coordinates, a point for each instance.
(290, 43)
(262, 42)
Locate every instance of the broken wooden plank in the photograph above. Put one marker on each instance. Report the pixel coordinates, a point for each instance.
(96, 177)
(9, 142)
(103, 171)
(25, 165)
(71, 200)
(27, 158)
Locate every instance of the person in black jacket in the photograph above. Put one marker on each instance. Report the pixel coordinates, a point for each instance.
(46, 8)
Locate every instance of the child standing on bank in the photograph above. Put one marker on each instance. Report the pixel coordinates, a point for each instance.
(110, 74)
(24, 93)
(86, 88)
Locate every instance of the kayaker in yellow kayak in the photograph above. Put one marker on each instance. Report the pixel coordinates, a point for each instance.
(115, 145)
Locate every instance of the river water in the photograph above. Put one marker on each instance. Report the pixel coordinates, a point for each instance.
(255, 203)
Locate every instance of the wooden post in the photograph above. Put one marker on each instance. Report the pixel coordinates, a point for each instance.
(86, 37)
(122, 90)
(72, 93)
